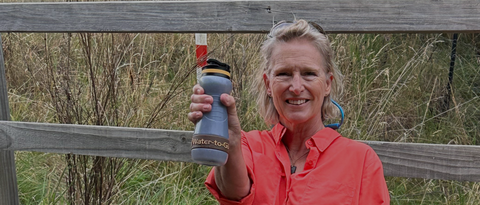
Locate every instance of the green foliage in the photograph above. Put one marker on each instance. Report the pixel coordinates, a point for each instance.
(395, 88)
(38, 178)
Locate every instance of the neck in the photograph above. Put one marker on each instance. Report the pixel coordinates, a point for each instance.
(297, 134)
(293, 161)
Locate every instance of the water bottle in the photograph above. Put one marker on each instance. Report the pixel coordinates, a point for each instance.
(210, 139)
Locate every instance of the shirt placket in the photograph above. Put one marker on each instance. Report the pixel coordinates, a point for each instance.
(284, 159)
(312, 157)
(282, 156)
(310, 164)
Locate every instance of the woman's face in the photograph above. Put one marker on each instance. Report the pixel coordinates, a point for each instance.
(298, 82)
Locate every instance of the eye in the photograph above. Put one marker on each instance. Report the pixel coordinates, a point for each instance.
(310, 73)
(282, 74)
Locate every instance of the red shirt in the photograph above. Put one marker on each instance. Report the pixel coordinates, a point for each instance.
(337, 171)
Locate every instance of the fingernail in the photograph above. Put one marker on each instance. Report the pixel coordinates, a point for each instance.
(206, 107)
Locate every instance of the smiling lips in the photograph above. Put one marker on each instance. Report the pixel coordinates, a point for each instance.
(297, 102)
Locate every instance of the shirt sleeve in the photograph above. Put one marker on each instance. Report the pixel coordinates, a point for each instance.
(212, 186)
(374, 188)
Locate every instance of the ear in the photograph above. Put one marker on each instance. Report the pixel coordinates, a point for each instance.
(328, 82)
(267, 84)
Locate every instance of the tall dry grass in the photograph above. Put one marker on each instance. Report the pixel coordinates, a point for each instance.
(395, 88)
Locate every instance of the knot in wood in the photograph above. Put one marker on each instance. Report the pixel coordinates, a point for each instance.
(183, 138)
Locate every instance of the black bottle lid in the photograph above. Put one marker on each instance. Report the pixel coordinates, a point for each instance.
(216, 68)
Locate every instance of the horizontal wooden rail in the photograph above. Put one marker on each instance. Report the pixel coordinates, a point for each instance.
(234, 16)
(413, 160)
(429, 161)
(139, 143)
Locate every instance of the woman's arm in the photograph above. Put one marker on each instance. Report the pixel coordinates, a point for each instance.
(232, 178)
(373, 189)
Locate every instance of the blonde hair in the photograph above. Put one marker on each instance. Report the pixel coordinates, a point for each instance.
(300, 29)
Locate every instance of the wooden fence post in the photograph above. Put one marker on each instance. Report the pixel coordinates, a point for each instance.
(8, 177)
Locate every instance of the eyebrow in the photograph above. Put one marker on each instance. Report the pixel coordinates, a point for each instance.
(288, 69)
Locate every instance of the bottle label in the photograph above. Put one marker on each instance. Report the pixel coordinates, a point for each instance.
(210, 141)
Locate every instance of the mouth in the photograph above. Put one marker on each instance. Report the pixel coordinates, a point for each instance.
(297, 102)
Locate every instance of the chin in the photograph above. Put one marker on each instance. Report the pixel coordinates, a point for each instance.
(296, 120)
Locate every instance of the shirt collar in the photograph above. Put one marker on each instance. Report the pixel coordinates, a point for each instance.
(278, 131)
(322, 138)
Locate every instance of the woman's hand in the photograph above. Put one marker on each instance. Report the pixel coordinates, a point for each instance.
(202, 103)
(232, 179)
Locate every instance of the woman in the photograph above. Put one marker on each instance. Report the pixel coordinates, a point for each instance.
(298, 161)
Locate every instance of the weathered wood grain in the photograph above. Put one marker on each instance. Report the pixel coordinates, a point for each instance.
(138, 143)
(429, 161)
(8, 176)
(336, 16)
(413, 160)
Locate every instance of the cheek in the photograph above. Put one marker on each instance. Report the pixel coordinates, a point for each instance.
(318, 87)
(276, 87)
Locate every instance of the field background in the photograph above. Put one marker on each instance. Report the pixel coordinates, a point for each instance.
(395, 90)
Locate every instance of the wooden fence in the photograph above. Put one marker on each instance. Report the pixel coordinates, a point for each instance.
(414, 160)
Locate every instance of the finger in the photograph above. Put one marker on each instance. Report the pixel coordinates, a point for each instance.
(200, 107)
(204, 99)
(227, 100)
(197, 89)
(201, 98)
(195, 116)
(234, 128)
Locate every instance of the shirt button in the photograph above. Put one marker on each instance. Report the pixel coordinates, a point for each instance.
(309, 143)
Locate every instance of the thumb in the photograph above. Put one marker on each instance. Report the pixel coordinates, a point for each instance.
(233, 122)
(229, 102)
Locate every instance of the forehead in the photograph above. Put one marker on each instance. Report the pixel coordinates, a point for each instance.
(296, 54)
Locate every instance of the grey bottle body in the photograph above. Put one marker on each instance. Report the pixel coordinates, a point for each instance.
(214, 122)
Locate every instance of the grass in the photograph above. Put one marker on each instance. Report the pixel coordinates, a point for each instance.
(38, 175)
(395, 88)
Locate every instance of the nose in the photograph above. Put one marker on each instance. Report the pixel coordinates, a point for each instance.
(296, 85)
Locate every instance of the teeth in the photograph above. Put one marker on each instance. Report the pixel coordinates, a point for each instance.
(297, 102)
